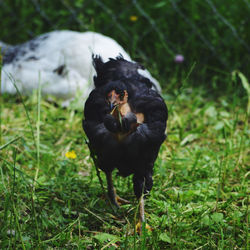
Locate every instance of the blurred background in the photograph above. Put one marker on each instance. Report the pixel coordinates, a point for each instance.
(212, 35)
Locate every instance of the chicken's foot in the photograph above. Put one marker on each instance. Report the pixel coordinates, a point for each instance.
(114, 198)
(141, 217)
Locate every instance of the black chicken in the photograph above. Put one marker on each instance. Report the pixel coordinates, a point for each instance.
(125, 121)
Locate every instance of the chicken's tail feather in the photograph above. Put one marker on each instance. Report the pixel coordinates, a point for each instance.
(97, 62)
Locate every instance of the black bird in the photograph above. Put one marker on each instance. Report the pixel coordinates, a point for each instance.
(125, 121)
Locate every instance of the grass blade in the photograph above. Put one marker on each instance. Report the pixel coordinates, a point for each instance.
(10, 142)
(38, 128)
(25, 108)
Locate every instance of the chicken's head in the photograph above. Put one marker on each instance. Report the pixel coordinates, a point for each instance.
(115, 98)
(116, 94)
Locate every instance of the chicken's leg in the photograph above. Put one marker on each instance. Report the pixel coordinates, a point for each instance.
(142, 185)
(114, 198)
(141, 210)
(141, 217)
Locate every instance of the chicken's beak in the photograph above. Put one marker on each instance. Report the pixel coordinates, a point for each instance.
(112, 99)
(112, 106)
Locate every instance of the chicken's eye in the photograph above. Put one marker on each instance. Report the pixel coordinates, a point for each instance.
(121, 96)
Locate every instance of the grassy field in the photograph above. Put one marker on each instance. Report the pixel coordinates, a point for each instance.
(199, 199)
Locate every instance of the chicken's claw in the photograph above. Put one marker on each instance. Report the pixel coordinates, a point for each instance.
(120, 201)
(139, 228)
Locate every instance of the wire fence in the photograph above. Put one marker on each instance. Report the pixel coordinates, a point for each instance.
(214, 33)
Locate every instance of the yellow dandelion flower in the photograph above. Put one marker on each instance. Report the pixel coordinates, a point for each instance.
(133, 18)
(71, 154)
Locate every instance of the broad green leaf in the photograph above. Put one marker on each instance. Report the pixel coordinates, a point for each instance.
(164, 237)
(245, 85)
(217, 217)
(103, 237)
(219, 125)
(189, 138)
(206, 220)
(211, 111)
(237, 214)
(224, 114)
(160, 4)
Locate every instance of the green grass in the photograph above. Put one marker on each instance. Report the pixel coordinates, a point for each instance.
(199, 199)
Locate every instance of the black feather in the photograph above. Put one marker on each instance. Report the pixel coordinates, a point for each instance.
(137, 151)
(117, 69)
